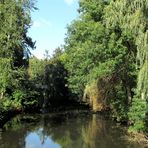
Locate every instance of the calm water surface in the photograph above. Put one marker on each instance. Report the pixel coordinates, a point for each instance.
(63, 131)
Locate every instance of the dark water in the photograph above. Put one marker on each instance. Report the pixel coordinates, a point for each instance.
(63, 131)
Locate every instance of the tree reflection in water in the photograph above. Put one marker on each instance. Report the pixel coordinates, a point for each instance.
(65, 131)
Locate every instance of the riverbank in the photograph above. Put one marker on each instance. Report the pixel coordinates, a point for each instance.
(6, 115)
(140, 138)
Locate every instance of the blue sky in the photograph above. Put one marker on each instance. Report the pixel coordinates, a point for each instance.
(49, 24)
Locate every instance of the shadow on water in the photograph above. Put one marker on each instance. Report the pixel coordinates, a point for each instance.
(63, 131)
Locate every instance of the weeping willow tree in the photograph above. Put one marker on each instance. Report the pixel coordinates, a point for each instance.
(132, 18)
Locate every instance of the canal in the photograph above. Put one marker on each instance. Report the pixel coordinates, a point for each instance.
(65, 130)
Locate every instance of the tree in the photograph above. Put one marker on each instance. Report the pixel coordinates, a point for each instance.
(84, 44)
(14, 50)
(15, 21)
(48, 77)
(5, 76)
(94, 54)
(131, 17)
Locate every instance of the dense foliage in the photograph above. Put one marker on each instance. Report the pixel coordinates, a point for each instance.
(48, 79)
(106, 57)
(104, 62)
(14, 52)
(26, 83)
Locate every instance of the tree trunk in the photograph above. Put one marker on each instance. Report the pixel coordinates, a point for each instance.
(2, 95)
(129, 95)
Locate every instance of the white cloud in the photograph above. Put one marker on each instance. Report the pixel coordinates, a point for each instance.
(36, 24)
(41, 22)
(69, 2)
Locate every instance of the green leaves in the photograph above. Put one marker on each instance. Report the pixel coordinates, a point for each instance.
(84, 47)
(48, 78)
(131, 17)
(137, 115)
(14, 23)
(106, 43)
(14, 46)
(5, 75)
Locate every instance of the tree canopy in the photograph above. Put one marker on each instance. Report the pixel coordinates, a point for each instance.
(103, 62)
(106, 57)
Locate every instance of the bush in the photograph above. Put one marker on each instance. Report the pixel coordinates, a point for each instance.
(137, 114)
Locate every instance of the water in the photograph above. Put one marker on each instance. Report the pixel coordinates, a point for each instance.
(63, 131)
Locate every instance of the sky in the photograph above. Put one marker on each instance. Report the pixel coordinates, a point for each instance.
(49, 24)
